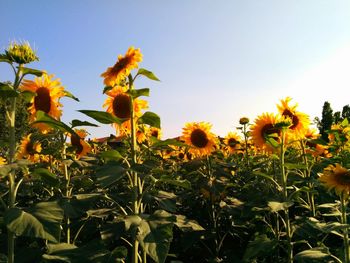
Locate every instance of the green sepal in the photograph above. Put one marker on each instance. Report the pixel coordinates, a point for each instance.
(135, 93)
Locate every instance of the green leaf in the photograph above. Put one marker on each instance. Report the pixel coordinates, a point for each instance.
(70, 95)
(7, 90)
(310, 255)
(36, 72)
(168, 179)
(344, 123)
(47, 177)
(260, 246)
(109, 173)
(102, 116)
(28, 95)
(277, 206)
(93, 252)
(186, 225)
(167, 142)
(42, 221)
(151, 119)
(147, 74)
(111, 155)
(76, 123)
(135, 93)
(42, 117)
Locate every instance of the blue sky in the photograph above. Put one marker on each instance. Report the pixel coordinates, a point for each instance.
(217, 60)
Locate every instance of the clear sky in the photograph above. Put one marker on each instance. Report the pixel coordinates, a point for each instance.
(217, 60)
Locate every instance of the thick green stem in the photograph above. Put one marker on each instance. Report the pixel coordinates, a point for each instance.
(310, 195)
(285, 197)
(246, 144)
(134, 174)
(68, 188)
(12, 176)
(344, 221)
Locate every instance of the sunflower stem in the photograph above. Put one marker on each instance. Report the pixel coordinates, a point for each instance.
(310, 196)
(343, 201)
(68, 188)
(11, 114)
(285, 197)
(135, 186)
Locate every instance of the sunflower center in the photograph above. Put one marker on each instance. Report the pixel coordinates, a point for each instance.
(154, 133)
(121, 64)
(75, 141)
(199, 138)
(121, 106)
(268, 130)
(293, 117)
(343, 178)
(232, 142)
(42, 100)
(30, 148)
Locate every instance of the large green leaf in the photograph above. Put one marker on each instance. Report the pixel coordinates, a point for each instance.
(42, 117)
(151, 119)
(260, 246)
(147, 74)
(93, 252)
(319, 254)
(46, 176)
(111, 155)
(76, 123)
(43, 220)
(139, 92)
(102, 116)
(31, 71)
(7, 90)
(278, 206)
(109, 173)
(187, 225)
(169, 179)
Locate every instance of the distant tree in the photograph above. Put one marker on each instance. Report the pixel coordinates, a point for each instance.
(326, 121)
(346, 112)
(337, 117)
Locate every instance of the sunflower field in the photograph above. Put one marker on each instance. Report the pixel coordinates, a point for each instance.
(273, 190)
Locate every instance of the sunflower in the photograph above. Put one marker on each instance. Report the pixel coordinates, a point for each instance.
(118, 104)
(82, 148)
(336, 177)
(141, 134)
(2, 161)
(29, 149)
(300, 121)
(48, 92)
(199, 138)
(122, 67)
(314, 148)
(264, 128)
(155, 132)
(339, 134)
(232, 142)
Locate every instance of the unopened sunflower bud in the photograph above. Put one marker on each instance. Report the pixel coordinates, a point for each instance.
(21, 53)
(243, 120)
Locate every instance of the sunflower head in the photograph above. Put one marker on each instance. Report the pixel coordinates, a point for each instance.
(155, 133)
(300, 121)
(21, 53)
(29, 149)
(81, 147)
(2, 161)
(336, 177)
(122, 68)
(243, 121)
(232, 142)
(265, 130)
(198, 136)
(48, 92)
(118, 103)
(339, 134)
